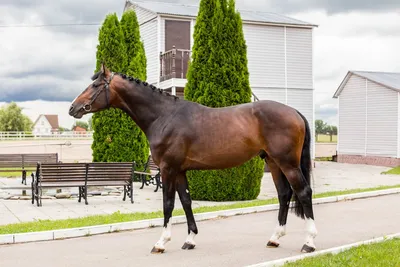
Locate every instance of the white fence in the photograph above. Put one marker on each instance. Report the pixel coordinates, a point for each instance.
(52, 136)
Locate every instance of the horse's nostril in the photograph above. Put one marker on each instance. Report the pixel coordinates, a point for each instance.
(71, 108)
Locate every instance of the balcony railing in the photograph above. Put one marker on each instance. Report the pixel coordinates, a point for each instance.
(174, 63)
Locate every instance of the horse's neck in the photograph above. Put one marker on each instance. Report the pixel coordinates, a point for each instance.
(143, 105)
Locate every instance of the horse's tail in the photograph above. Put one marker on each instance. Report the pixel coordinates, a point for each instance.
(305, 164)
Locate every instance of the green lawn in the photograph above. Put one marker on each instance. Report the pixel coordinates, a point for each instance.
(383, 254)
(395, 170)
(14, 174)
(117, 217)
(324, 138)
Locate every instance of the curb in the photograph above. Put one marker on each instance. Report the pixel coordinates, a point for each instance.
(333, 251)
(135, 225)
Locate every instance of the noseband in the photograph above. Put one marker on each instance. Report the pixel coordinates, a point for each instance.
(88, 107)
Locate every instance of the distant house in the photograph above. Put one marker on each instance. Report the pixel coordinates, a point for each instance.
(78, 128)
(279, 52)
(369, 118)
(46, 124)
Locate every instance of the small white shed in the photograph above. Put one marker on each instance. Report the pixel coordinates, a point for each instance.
(369, 114)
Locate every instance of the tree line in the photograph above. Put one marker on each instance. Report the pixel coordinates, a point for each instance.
(322, 128)
(13, 120)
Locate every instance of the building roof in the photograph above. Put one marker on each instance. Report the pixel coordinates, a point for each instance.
(388, 79)
(180, 9)
(52, 119)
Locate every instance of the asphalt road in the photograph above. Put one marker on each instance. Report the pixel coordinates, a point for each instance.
(234, 241)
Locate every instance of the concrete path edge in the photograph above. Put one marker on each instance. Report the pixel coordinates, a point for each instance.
(135, 225)
(335, 250)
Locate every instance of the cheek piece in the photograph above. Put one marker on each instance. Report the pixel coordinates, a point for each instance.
(88, 107)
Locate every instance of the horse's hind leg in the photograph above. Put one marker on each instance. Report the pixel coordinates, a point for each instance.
(284, 195)
(303, 200)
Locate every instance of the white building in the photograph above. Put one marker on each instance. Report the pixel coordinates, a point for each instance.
(279, 52)
(45, 124)
(369, 114)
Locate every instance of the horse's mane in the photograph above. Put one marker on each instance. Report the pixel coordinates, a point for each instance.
(138, 81)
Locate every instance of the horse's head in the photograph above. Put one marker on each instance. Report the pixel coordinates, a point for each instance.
(96, 97)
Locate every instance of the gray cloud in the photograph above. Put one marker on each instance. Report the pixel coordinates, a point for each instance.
(330, 6)
(55, 63)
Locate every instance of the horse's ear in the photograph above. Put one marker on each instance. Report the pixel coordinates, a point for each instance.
(104, 69)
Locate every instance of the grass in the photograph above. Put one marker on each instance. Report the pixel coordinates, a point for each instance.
(324, 159)
(395, 170)
(117, 217)
(383, 254)
(325, 138)
(17, 173)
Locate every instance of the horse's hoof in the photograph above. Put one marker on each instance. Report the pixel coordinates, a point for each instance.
(188, 246)
(272, 244)
(157, 250)
(307, 249)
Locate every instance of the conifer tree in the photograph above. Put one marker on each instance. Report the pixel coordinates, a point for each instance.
(222, 80)
(116, 137)
(200, 51)
(136, 67)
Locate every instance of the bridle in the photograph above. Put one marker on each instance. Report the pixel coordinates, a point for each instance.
(88, 107)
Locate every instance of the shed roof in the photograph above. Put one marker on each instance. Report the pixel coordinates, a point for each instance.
(180, 9)
(388, 79)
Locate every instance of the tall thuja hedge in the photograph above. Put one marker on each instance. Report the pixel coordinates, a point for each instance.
(223, 81)
(136, 67)
(200, 52)
(116, 137)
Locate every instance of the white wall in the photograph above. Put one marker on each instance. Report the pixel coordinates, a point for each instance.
(42, 126)
(148, 33)
(382, 120)
(352, 117)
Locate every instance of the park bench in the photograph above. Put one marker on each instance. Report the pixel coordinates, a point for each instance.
(82, 175)
(150, 175)
(25, 162)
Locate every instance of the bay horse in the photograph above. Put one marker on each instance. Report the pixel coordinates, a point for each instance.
(185, 135)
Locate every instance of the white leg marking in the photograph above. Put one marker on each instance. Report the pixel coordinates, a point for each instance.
(280, 230)
(190, 238)
(165, 237)
(311, 232)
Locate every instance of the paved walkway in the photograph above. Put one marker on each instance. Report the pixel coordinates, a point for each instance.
(234, 241)
(328, 176)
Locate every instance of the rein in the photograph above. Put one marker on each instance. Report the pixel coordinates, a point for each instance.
(88, 107)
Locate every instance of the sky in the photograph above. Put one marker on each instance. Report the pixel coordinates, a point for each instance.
(44, 68)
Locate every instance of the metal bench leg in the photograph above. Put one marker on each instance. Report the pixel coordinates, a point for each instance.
(33, 189)
(143, 180)
(24, 177)
(125, 191)
(86, 201)
(131, 192)
(40, 193)
(80, 193)
(157, 180)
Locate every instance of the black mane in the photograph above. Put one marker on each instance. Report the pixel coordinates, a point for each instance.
(138, 81)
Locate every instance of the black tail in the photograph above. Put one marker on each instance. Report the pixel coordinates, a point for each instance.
(305, 164)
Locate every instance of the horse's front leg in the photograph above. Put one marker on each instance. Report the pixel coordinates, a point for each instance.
(169, 189)
(184, 196)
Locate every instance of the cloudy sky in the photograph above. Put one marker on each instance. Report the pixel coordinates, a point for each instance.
(44, 68)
